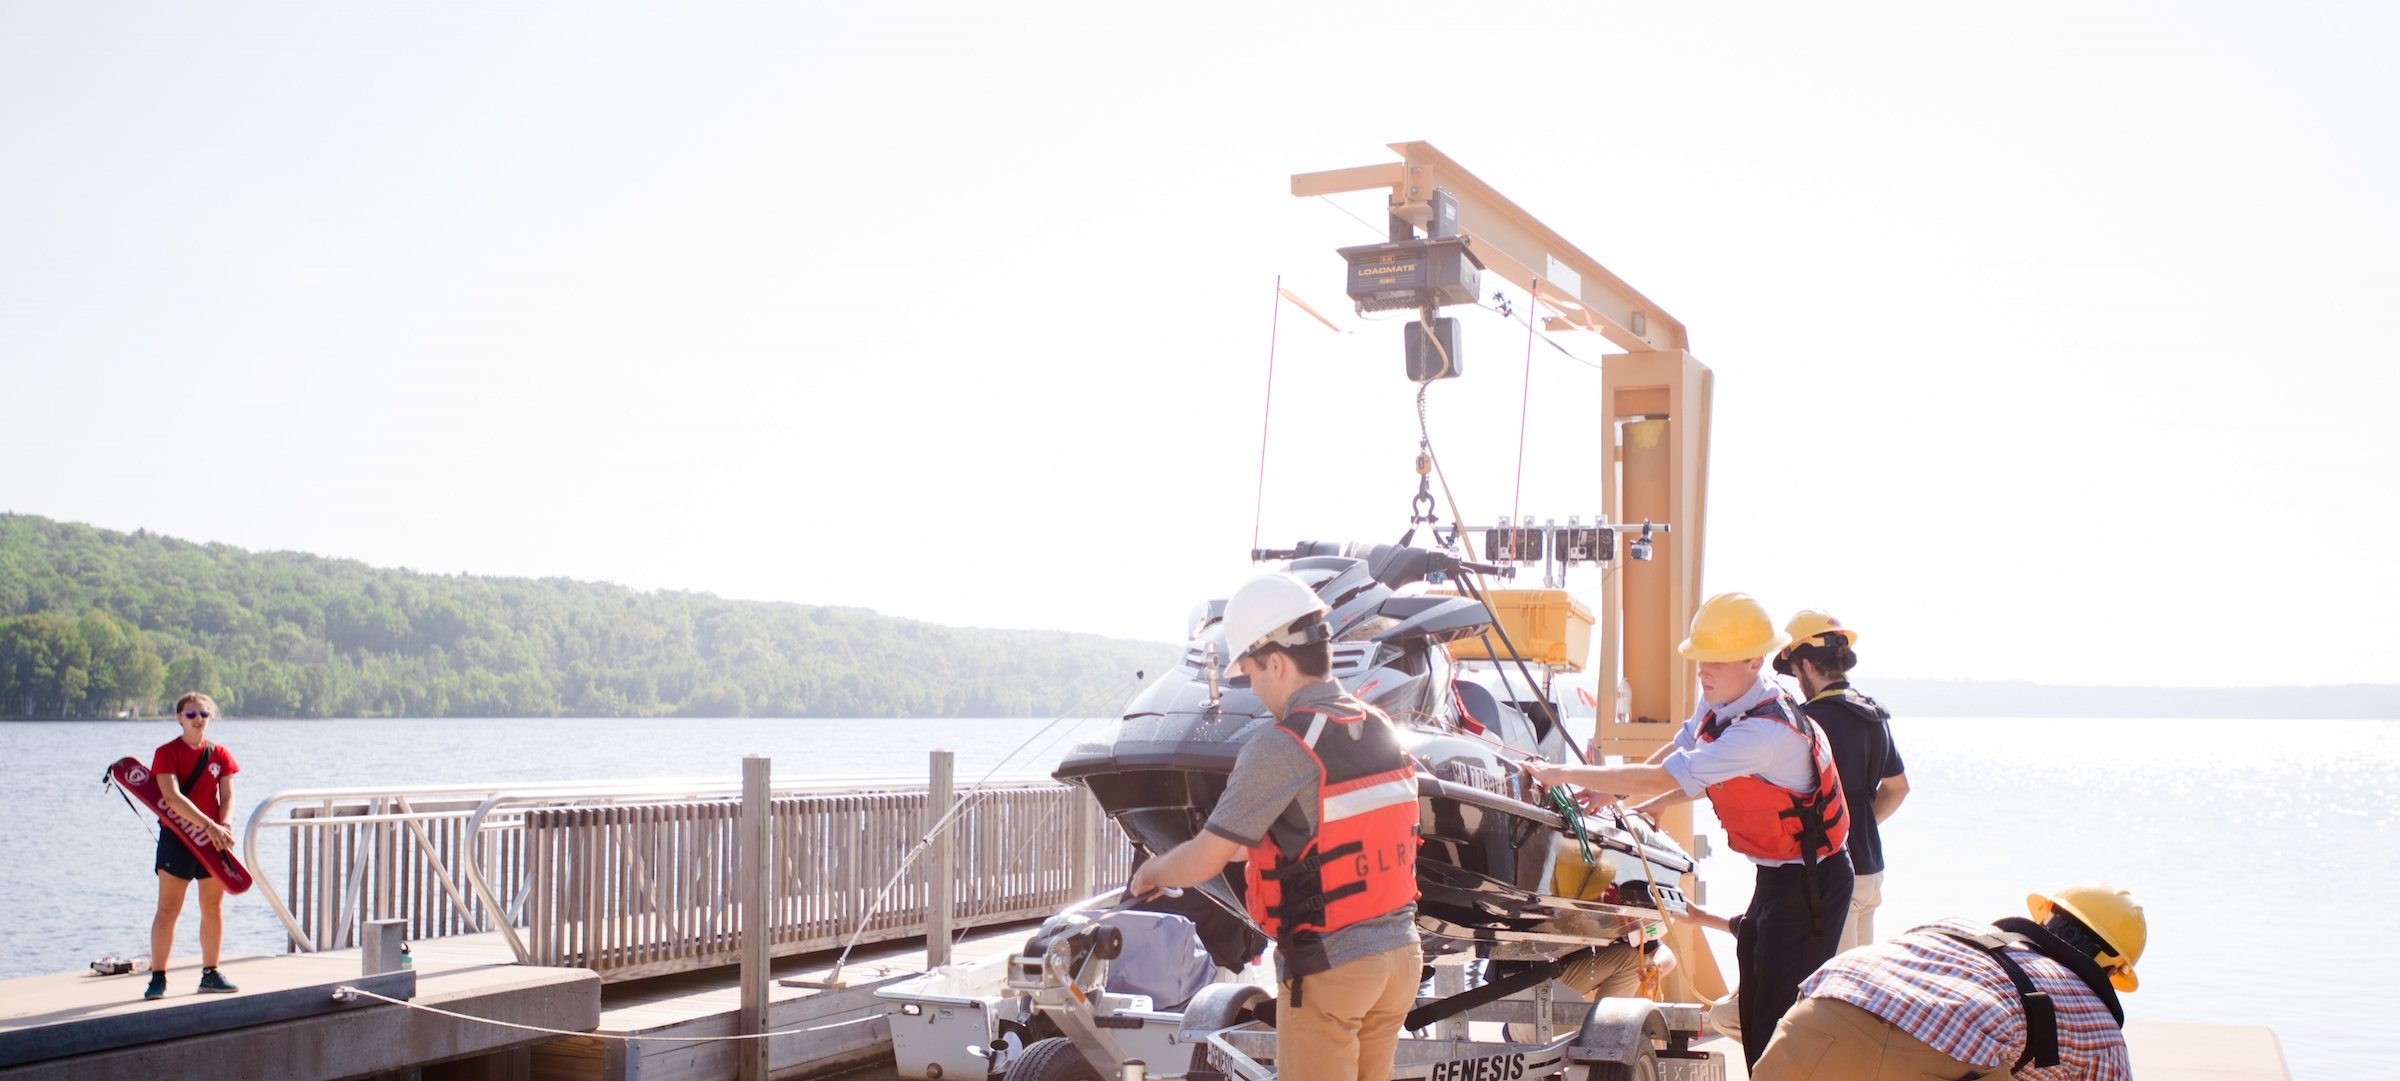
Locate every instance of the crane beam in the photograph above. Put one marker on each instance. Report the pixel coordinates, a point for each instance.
(1576, 290)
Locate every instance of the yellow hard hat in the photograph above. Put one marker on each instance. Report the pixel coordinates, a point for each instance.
(2112, 914)
(1731, 627)
(1811, 622)
(1805, 629)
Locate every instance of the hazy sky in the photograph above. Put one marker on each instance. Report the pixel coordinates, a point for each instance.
(2052, 340)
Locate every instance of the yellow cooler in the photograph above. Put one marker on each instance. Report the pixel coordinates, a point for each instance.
(1548, 626)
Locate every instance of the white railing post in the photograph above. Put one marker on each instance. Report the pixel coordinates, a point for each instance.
(750, 877)
(941, 868)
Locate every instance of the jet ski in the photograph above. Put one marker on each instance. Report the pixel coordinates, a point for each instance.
(1498, 872)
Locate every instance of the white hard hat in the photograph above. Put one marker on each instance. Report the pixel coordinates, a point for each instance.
(1273, 610)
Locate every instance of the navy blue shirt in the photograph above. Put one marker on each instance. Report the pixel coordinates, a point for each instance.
(1860, 731)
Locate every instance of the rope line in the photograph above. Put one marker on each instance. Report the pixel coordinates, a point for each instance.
(1516, 503)
(497, 1023)
(1546, 339)
(1258, 509)
(1353, 217)
(958, 805)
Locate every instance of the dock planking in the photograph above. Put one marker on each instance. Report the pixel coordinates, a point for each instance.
(476, 974)
(283, 1024)
(707, 1004)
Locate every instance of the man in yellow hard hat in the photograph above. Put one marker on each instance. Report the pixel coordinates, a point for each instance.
(1769, 774)
(1859, 729)
(2027, 998)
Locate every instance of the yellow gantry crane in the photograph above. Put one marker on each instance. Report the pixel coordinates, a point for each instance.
(1654, 397)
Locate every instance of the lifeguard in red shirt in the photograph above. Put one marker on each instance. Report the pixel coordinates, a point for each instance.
(195, 780)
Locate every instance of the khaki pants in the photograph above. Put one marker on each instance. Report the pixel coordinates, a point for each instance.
(1832, 1039)
(1348, 1020)
(1866, 894)
(1614, 972)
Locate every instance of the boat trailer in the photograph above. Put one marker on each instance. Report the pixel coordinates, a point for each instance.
(1226, 1032)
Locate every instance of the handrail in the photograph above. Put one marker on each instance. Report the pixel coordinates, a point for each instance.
(617, 875)
(655, 788)
(503, 920)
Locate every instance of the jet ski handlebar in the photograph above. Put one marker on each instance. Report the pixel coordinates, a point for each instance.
(1394, 565)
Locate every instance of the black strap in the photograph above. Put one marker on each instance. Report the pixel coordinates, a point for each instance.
(2084, 967)
(1309, 863)
(108, 779)
(2041, 1014)
(1290, 911)
(207, 750)
(1533, 975)
(1816, 831)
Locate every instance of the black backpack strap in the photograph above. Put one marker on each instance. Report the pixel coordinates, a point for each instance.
(2041, 1014)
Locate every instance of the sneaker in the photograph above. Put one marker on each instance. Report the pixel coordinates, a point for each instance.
(157, 988)
(213, 983)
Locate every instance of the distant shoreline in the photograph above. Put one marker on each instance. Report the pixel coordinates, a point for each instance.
(1917, 698)
(2014, 698)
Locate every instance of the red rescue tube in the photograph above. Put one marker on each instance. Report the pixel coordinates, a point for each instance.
(134, 779)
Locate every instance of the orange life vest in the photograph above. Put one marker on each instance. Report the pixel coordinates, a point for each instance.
(1771, 822)
(1361, 863)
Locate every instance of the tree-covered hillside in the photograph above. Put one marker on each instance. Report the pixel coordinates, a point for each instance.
(94, 622)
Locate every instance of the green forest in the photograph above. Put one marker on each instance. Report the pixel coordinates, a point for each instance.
(99, 623)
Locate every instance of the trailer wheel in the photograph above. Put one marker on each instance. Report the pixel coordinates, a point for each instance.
(1054, 1059)
(1645, 1070)
(1619, 1040)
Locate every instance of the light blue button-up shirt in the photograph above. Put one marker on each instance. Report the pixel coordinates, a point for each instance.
(1765, 748)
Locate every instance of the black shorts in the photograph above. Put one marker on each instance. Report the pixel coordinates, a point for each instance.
(176, 859)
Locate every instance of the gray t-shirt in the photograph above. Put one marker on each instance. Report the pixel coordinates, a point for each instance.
(1274, 778)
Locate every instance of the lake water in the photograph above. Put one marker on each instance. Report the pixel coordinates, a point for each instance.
(2265, 852)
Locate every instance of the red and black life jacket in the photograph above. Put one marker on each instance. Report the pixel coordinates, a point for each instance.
(1768, 821)
(1361, 864)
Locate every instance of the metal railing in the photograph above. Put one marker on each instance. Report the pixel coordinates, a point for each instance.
(636, 879)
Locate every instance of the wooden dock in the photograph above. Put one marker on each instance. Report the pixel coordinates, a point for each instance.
(602, 914)
(476, 975)
(284, 1025)
(848, 1022)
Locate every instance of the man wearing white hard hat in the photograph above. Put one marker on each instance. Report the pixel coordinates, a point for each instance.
(1325, 800)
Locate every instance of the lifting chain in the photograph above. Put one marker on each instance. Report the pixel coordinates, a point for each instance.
(1421, 508)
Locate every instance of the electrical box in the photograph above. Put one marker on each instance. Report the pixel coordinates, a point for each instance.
(1409, 274)
(1505, 543)
(1577, 544)
(1432, 355)
(1549, 626)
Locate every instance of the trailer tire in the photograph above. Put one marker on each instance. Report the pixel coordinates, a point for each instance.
(1619, 1041)
(1053, 1059)
(1645, 1070)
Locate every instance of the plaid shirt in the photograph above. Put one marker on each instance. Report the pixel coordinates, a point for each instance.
(1955, 997)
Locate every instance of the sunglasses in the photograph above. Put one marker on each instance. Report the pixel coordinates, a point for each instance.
(195, 714)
